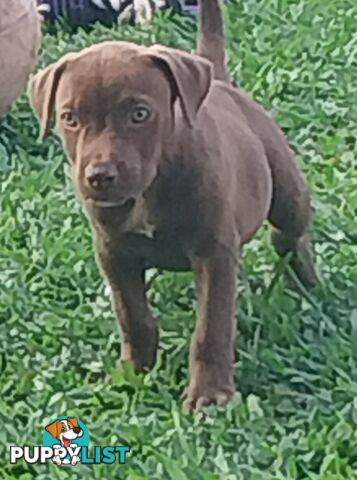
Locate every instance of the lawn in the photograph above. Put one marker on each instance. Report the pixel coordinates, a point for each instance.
(294, 416)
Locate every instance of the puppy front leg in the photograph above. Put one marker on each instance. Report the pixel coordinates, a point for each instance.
(139, 329)
(212, 349)
(56, 458)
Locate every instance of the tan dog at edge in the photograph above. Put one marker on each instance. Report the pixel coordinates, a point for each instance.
(177, 169)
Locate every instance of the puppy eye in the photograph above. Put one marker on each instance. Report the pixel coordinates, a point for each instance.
(70, 120)
(63, 429)
(139, 115)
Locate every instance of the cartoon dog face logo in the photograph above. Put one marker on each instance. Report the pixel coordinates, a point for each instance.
(65, 430)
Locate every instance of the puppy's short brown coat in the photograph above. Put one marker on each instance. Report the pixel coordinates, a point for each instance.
(177, 169)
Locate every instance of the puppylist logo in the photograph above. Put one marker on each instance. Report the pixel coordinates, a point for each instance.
(66, 442)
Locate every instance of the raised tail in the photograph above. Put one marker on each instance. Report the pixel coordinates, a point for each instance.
(211, 37)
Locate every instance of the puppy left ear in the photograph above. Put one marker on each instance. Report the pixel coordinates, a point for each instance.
(54, 428)
(190, 75)
(42, 89)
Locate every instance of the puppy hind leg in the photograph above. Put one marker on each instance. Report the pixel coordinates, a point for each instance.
(301, 259)
(290, 215)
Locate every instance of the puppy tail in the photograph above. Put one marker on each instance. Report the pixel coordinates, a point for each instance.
(211, 38)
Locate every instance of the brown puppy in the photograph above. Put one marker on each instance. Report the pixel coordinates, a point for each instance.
(177, 170)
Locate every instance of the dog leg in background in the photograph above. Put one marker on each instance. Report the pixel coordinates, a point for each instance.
(139, 329)
(211, 37)
(212, 349)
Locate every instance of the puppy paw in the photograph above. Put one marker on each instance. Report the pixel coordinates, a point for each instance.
(194, 401)
(303, 264)
(141, 353)
(207, 386)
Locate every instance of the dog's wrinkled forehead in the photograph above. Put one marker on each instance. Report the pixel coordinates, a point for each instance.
(99, 77)
(96, 75)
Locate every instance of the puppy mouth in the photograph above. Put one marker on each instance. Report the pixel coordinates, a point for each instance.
(129, 203)
(66, 442)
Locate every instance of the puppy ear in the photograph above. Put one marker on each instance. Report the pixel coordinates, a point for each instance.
(190, 75)
(42, 89)
(54, 428)
(73, 421)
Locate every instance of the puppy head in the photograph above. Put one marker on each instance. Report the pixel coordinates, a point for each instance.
(114, 106)
(68, 428)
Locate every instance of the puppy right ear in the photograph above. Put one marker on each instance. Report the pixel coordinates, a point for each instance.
(73, 421)
(190, 74)
(42, 89)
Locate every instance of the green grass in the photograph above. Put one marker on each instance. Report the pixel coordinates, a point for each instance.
(296, 414)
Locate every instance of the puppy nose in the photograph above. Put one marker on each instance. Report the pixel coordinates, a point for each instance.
(100, 176)
(77, 430)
